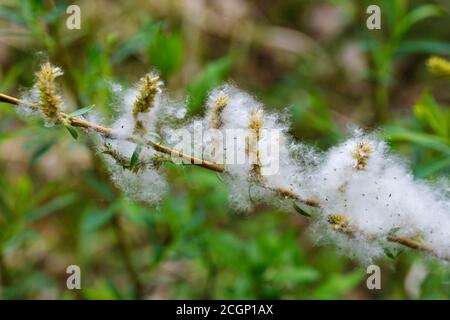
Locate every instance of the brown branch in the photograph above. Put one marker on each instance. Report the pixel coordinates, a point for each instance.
(9, 99)
(413, 244)
(108, 132)
(288, 194)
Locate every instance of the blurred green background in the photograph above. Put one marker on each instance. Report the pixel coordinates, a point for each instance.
(314, 60)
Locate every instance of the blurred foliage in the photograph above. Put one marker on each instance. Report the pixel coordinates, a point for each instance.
(58, 206)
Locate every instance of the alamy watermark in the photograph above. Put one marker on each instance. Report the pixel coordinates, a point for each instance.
(373, 282)
(229, 147)
(74, 279)
(374, 20)
(74, 19)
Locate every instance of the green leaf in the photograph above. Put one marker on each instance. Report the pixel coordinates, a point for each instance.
(81, 111)
(100, 186)
(219, 176)
(73, 132)
(424, 46)
(392, 254)
(135, 156)
(393, 231)
(389, 253)
(300, 210)
(10, 78)
(426, 140)
(93, 220)
(432, 167)
(52, 206)
(166, 52)
(12, 16)
(394, 11)
(415, 16)
(429, 112)
(40, 151)
(214, 73)
(137, 42)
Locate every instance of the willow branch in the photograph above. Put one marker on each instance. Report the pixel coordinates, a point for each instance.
(279, 191)
(108, 132)
(413, 244)
(351, 230)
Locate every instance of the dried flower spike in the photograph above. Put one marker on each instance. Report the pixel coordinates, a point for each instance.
(149, 88)
(438, 66)
(361, 155)
(50, 102)
(255, 123)
(216, 116)
(338, 222)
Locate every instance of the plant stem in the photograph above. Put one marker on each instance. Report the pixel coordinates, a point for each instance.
(108, 132)
(8, 99)
(410, 243)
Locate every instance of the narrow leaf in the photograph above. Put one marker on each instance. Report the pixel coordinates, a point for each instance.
(219, 176)
(300, 210)
(392, 254)
(40, 151)
(389, 253)
(393, 231)
(81, 111)
(73, 132)
(135, 156)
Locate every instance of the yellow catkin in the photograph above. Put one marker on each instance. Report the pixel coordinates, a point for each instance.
(361, 155)
(438, 66)
(338, 222)
(50, 102)
(255, 124)
(215, 119)
(149, 87)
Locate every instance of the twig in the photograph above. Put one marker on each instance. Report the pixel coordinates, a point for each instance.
(280, 191)
(288, 194)
(413, 244)
(108, 132)
(8, 99)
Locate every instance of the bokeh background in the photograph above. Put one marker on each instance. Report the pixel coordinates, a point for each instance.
(315, 60)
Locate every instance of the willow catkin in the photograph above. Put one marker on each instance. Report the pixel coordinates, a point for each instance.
(149, 87)
(49, 101)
